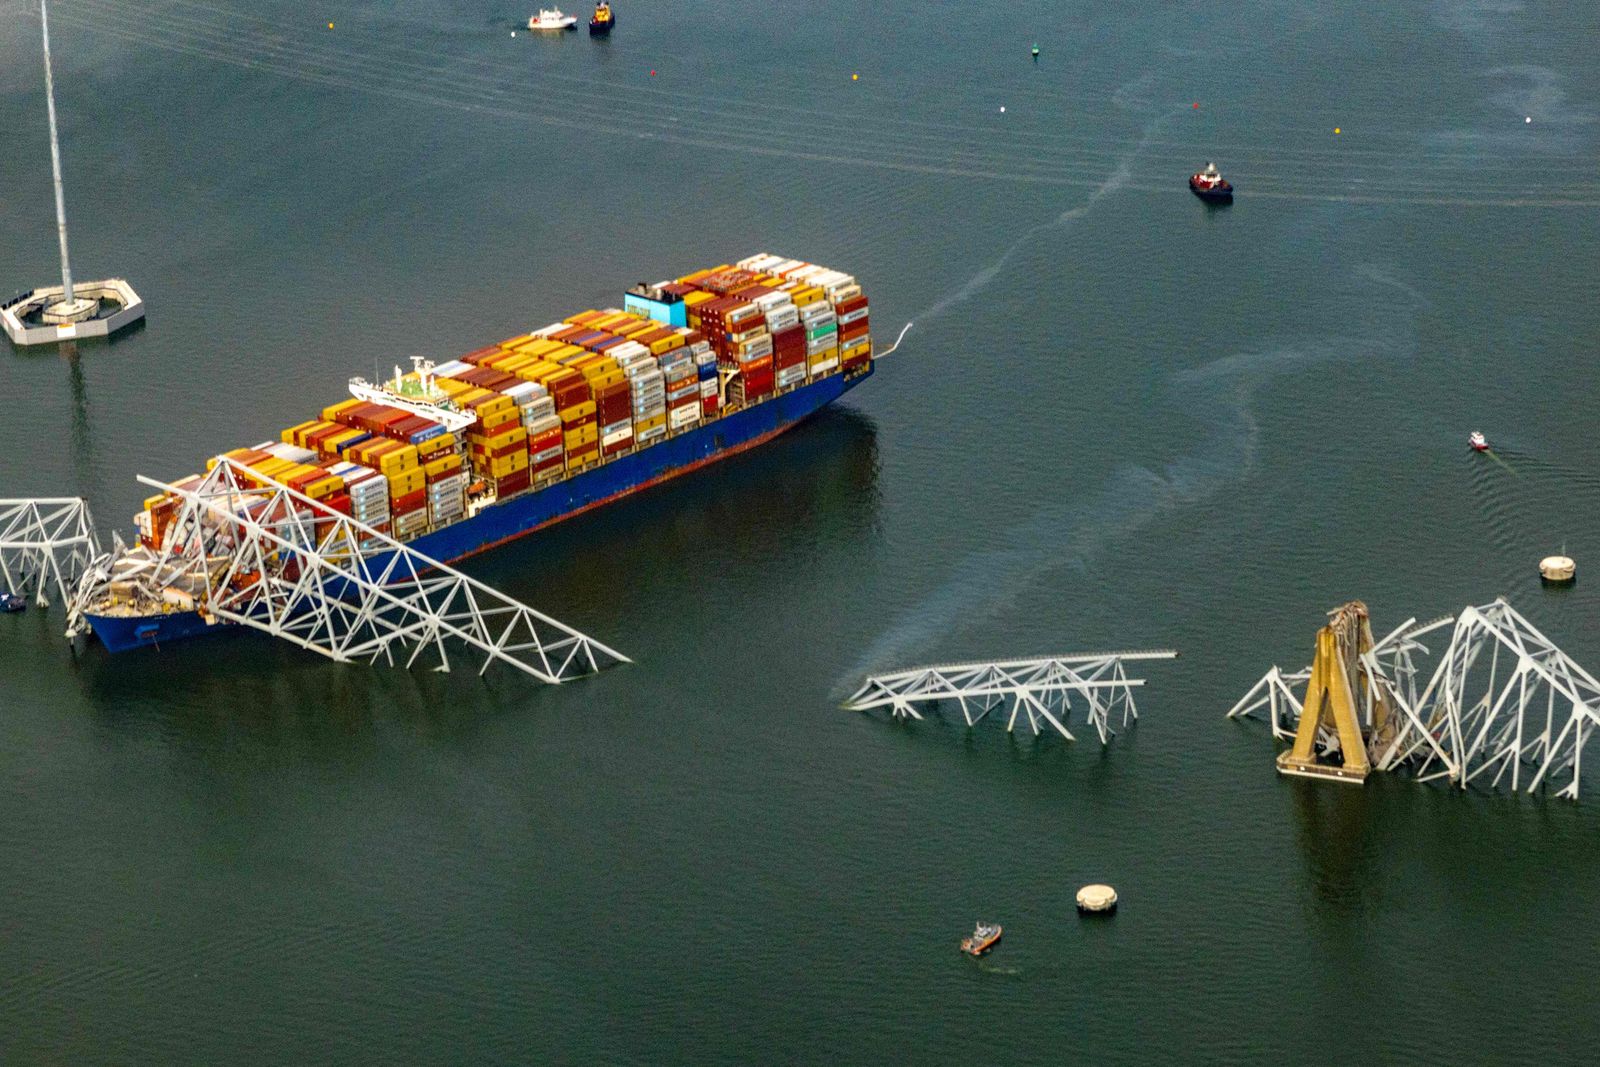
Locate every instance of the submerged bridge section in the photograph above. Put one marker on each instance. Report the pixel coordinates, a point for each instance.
(45, 542)
(1503, 706)
(259, 554)
(1041, 690)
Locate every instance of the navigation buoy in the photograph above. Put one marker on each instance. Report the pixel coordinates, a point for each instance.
(330, 26)
(652, 74)
(855, 77)
(1002, 109)
(1527, 118)
(1035, 51)
(1557, 569)
(1097, 900)
(1336, 129)
(1195, 106)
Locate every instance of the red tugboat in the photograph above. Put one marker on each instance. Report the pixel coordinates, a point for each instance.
(603, 21)
(1209, 185)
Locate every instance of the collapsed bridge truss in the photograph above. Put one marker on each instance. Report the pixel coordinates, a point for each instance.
(259, 554)
(1503, 706)
(44, 542)
(1040, 689)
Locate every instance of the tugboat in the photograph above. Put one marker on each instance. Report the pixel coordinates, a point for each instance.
(1478, 442)
(552, 19)
(11, 603)
(984, 937)
(603, 21)
(1209, 185)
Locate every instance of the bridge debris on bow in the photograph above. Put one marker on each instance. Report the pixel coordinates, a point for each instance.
(1040, 689)
(46, 541)
(253, 552)
(1504, 705)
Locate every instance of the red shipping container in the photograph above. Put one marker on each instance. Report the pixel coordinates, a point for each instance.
(855, 303)
(339, 502)
(514, 483)
(708, 406)
(410, 502)
(853, 332)
(482, 354)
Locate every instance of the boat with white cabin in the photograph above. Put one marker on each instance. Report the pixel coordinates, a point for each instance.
(553, 19)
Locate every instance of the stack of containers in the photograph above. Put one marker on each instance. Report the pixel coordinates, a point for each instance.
(681, 380)
(855, 342)
(820, 323)
(648, 388)
(498, 444)
(705, 365)
(579, 421)
(614, 413)
(369, 495)
(788, 338)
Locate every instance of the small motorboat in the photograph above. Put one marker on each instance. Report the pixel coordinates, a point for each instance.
(552, 19)
(984, 937)
(1478, 442)
(1209, 185)
(11, 603)
(604, 20)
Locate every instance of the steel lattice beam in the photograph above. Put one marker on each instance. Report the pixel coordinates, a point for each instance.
(46, 541)
(1042, 689)
(257, 553)
(1504, 704)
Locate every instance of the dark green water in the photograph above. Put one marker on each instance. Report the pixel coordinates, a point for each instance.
(1122, 420)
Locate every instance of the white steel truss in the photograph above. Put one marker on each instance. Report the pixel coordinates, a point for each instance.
(46, 541)
(1504, 704)
(1042, 689)
(246, 550)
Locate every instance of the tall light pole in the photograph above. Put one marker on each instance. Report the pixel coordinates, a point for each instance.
(70, 308)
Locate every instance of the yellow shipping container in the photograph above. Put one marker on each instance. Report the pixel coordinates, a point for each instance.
(698, 297)
(289, 437)
(272, 468)
(444, 442)
(581, 436)
(443, 465)
(577, 412)
(808, 295)
(538, 346)
(324, 487)
(333, 411)
(650, 423)
(401, 459)
(583, 317)
(499, 404)
(451, 387)
(513, 342)
(666, 344)
(511, 464)
(408, 481)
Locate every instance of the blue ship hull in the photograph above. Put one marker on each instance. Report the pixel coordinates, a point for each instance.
(523, 514)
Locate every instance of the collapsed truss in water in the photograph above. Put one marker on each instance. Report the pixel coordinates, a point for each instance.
(1504, 705)
(46, 541)
(245, 550)
(1041, 689)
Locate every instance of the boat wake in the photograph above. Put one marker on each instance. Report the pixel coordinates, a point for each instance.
(1073, 533)
(1119, 178)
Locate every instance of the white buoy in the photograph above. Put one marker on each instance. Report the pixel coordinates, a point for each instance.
(1097, 900)
(1527, 118)
(1002, 110)
(1558, 569)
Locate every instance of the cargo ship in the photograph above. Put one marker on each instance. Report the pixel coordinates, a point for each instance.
(455, 458)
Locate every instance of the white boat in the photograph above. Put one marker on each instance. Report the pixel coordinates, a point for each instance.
(1478, 442)
(552, 19)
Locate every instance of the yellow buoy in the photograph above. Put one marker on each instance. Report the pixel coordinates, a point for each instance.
(1336, 129)
(330, 25)
(1558, 569)
(855, 77)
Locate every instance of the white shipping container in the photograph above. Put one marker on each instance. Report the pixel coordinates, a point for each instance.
(652, 433)
(824, 366)
(708, 387)
(554, 452)
(687, 415)
(617, 436)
